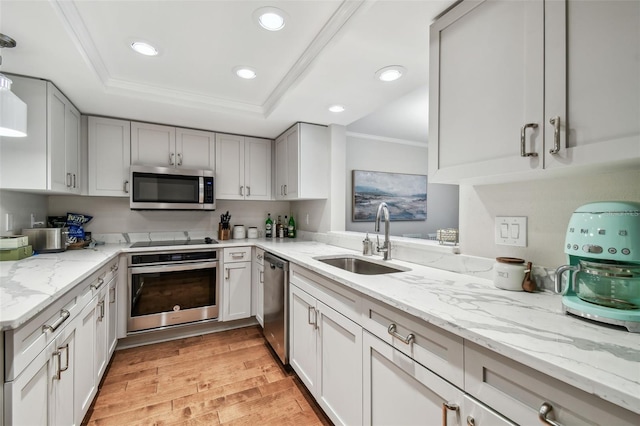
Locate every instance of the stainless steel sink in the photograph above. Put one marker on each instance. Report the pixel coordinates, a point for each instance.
(361, 266)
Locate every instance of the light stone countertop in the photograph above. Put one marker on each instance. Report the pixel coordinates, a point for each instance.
(528, 328)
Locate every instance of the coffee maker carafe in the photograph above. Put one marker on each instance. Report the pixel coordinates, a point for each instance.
(603, 248)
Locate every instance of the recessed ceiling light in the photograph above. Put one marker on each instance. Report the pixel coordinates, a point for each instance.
(336, 108)
(270, 18)
(245, 72)
(144, 48)
(390, 73)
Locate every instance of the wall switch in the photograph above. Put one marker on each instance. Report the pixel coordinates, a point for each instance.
(511, 230)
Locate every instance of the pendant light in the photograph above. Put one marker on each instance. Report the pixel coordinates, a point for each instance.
(13, 111)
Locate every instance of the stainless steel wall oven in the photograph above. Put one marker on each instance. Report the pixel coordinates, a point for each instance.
(167, 288)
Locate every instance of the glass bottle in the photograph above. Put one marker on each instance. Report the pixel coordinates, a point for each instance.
(292, 227)
(285, 227)
(279, 231)
(268, 227)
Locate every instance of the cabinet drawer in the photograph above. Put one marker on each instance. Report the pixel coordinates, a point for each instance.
(518, 392)
(334, 295)
(96, 281)
(237, 254)
(436, 349)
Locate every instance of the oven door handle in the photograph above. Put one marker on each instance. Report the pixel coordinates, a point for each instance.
(134, 270)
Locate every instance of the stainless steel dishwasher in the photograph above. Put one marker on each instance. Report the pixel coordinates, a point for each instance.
(276, 305)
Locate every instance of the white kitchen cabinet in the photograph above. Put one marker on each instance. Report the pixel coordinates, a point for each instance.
(302, 163)
(43, 392)
(257, 286)
(85, 381)
(166, 146)
(236, 302)
(109, 143)
(519, 392)
(243, 168)
(112, 315)
(503, 72)
(48, 158)
(325, 352)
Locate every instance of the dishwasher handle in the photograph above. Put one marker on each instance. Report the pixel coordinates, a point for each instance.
(275, 262)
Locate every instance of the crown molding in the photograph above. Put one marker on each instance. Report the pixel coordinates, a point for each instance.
(386, 139)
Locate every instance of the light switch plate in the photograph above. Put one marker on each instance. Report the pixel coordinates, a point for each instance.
(511, 230)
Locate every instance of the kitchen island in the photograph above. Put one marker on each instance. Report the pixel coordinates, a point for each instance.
(527, 328)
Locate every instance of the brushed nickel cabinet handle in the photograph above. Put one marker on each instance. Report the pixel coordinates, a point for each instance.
(179, 159)
(101, 304)
(523, 139)
(471, 421)
(64, 315)
(446, 406)
(58, 354)
(97, 286)
(248, 191)
(126, 187)
(555, 121)
(544, 411)
(242, 190)
(68, 180)
(74, 181)
(171, 161)
(406, 340)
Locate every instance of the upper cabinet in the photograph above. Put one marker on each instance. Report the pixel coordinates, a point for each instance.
(243, 168)
(109, 143)
(302, 163)
(519, 88)
(165, 146)
(48, 158)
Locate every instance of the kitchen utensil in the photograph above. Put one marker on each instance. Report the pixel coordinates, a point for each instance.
(528, 284)
(603, 248)
(47, 240)
(509, 273)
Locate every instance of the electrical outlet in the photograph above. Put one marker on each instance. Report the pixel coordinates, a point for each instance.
(511, 230)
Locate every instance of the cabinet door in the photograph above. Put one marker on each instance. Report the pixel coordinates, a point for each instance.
(72, 147)
(257, 287)
(230, 167)
(237, 290)
(477, 414)
(281, 167)
(85, 385)
(109, 156)
(62, 380)
(486, 83)
(195, 149)
(399, 391)
(112, 317)
(153, 145)
(101, 324)
(339, 390)
(592, 81)
(59, 178)
(257, 169)
(292, 159)
(302, 336)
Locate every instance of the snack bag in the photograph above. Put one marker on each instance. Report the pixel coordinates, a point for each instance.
(75, 222)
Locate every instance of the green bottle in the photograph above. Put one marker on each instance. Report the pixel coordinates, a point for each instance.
(292, 227)
(268, 227)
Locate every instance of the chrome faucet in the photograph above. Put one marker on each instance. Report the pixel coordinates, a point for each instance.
(386, 247)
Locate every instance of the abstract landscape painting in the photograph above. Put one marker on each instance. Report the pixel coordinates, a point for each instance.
(406, 195)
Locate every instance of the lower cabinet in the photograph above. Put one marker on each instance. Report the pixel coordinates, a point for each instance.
(236, 299)
(325, 351)
(257, 286)
(41, 394)
(399, 391)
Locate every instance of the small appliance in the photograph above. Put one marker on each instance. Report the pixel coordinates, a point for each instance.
(47, 240)
(603, 249)
(165, 188)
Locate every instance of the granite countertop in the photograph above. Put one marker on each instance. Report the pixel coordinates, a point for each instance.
(528, 328)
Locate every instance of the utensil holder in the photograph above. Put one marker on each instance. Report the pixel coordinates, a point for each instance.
(223, 233)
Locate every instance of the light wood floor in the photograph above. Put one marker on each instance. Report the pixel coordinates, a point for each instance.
(227, 378)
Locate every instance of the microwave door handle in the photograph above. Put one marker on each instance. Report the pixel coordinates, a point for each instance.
(201, 189)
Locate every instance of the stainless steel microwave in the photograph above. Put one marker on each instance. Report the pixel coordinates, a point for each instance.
(163, 188)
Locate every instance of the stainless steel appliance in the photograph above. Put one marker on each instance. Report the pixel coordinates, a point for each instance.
(276, 305)
(47, 240)
(603, 248)
(172, 287)
(163, 188)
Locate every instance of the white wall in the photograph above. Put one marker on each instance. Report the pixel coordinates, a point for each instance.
(21, 206)
(548, 204)
(385, 155)
(112, 214)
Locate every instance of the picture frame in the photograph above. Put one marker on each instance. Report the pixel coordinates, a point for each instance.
(405, 195)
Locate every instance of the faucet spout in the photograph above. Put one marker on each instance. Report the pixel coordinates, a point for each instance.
(383, 212)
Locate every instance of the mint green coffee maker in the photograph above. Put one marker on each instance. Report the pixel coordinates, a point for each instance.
(603, 248)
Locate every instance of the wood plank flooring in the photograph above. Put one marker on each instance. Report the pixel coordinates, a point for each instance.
(226, 378)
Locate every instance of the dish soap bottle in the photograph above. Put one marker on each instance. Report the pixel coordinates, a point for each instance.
(292, 227)
(268, 227)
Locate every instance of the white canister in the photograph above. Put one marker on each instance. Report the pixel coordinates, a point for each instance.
(508, 273)
(239, 232)
(252, 232)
